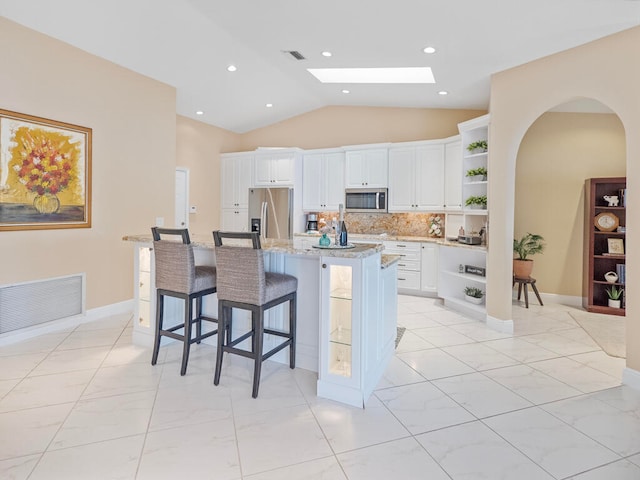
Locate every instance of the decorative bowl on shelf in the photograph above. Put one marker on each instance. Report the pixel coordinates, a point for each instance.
(611, 277)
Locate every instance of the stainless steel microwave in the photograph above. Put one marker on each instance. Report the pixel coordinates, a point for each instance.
(366, 200)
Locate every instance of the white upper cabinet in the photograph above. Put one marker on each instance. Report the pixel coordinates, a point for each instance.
(274, 169)
(236, 180)
(367, 168)
(453, 175)
(416, 178)
(322, 181)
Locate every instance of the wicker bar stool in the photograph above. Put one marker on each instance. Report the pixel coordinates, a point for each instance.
(243, 283)
(178, 276)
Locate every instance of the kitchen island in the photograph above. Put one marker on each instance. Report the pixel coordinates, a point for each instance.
(346, 309)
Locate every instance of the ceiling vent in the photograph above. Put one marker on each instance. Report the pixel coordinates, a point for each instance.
(294, 53)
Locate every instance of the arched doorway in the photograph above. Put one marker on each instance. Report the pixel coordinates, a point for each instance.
(562, 148)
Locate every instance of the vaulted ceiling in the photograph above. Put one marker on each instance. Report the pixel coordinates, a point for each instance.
(190, 43)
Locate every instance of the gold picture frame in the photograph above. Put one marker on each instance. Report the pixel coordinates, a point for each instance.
(45, 173)
(616, 246)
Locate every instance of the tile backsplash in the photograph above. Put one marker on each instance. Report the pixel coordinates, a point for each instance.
(401, 224)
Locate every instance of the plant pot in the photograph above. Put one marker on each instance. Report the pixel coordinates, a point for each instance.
(475, 206)
(478, 178)
(474, 300)
(614, 303)
(522, 268)
(611, 277)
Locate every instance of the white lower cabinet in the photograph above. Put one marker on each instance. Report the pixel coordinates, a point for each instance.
(357, 327)
(418, 267)
(429, 268)
(409, 265)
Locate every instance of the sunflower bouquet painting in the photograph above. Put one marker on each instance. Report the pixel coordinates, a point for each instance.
(44, 173)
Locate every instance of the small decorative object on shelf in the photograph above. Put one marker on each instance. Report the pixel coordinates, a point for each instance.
(616, 246)
(611, 199)
(473, 295)
(611, 277)
(606, 221)
(435, 226)
(477, 147)
(479, 201)
(615, 293)
(477, 174)
(472, 269)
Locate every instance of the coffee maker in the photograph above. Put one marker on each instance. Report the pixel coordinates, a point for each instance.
(312, 223)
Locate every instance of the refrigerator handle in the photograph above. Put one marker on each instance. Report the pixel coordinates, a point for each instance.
(263, 220)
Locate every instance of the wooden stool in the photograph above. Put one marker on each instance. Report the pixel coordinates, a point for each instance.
(524, 282)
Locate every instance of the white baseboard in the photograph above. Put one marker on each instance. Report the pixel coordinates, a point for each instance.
(570, 300)
(631, 378)
(504, 326)
(68, 322)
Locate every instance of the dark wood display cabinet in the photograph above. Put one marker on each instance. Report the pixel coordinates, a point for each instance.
(604, 242)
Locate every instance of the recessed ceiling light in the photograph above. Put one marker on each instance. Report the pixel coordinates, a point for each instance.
(373, 75)
(346, 91)
(429, 50)
(326, 54)
(269, 105)
(443, 92)
(232, 68)
(199, 112)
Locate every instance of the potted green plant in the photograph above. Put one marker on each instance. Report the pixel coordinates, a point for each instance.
(527, 245)
(477, 174)
(477, 147)
(615, 293)
(473, 295)
(476, 201)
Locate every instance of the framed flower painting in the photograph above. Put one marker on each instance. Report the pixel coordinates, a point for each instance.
(45, 173)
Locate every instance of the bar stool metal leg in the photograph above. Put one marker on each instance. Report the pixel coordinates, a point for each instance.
(257, 318)
(292, 331)
(156, 342)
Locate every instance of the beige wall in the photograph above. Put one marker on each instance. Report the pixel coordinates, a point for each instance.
(601, 70)
(198, 148)
(339, 126)
(134, 133)
(556, 155)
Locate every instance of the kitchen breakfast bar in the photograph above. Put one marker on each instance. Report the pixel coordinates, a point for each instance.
(346, 309)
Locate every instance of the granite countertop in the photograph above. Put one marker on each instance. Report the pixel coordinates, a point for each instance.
(357, 237)
(297, 246)
(387, 260)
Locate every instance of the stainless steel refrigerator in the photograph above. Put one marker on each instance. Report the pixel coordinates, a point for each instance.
(271, 212)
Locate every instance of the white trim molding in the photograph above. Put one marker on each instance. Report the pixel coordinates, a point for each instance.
(631, 378)
(125, 307)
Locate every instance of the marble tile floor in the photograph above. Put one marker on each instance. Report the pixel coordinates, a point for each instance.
(458, 401)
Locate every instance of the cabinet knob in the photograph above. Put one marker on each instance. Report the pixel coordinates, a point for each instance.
(324, 265)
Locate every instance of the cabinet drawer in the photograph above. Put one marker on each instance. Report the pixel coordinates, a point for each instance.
(410, 251)
(411, 265)
(409, 279)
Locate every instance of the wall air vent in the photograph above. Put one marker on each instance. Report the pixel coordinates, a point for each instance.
(31, 303)
(294, 53)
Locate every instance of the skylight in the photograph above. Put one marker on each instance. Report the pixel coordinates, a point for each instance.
(373, 75)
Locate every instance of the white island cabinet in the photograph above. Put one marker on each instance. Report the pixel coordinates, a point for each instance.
(357, 328)
(347, 309)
